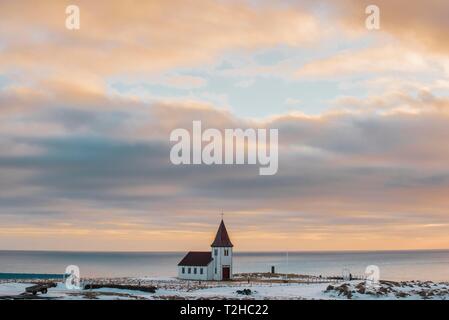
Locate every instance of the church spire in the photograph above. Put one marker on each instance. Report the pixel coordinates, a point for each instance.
(222, 238)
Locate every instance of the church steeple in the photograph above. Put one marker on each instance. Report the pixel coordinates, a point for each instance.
(222, 238)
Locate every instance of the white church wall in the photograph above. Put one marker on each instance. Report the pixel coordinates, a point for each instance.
(192, 275)
(210, 271)
(220, 260)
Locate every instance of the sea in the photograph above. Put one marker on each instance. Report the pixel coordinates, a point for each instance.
(393, 265)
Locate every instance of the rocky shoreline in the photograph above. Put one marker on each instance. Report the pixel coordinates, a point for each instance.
(244, 286)
(385, 289)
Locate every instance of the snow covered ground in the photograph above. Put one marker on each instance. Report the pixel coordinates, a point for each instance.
(168, 288)
(12, 288)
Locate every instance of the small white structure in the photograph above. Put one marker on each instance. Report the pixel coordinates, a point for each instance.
(209, 265)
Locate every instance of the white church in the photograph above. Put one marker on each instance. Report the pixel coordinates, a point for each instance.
(209, 265)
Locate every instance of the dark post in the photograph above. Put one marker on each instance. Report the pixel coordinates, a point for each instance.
(272, 269)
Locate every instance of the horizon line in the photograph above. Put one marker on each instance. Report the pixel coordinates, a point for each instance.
(243, 251)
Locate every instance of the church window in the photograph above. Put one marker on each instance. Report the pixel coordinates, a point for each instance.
(183, 270)
(189, 270)
(201, 270)
(194, 270)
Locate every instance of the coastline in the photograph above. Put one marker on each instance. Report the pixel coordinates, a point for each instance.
(244, 286)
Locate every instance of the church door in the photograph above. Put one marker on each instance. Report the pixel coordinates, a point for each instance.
(226, 273)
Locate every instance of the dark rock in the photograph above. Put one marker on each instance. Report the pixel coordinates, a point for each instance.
(361, 288)
(246, 292)
(344, 290)
(383, 290)
(402, 294)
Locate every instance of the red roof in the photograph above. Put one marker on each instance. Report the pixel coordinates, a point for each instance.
(196, 258)
(222, 238)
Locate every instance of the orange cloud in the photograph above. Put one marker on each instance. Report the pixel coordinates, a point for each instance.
(143, 36)
(391, 59)
(421, 23)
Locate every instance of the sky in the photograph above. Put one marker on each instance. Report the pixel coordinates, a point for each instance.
(86, 115)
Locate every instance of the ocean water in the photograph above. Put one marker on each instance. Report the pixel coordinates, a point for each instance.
(394, 265)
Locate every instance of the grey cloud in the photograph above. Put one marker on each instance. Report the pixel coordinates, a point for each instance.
(363, 175)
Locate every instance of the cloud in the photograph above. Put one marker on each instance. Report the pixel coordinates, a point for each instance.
(386, 59)
(143, 37)
(423, 24)
(339, 172)
(415, 101)
(83, 164)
